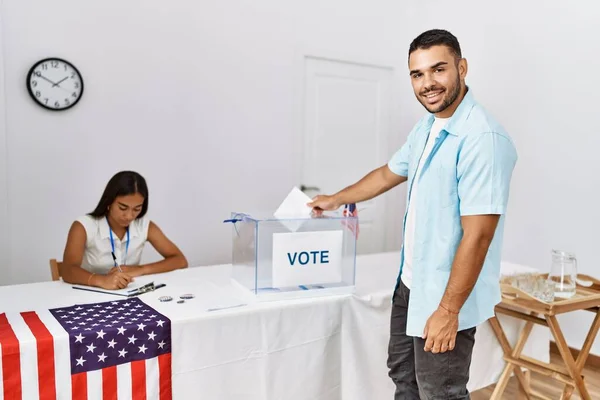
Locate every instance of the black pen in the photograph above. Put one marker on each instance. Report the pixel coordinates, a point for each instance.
(115, 260)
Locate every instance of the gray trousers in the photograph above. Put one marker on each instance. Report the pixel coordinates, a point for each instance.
(421, 375)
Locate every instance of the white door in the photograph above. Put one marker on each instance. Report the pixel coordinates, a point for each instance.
(346, 127)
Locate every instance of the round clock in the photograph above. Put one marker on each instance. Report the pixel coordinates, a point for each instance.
(55, 84)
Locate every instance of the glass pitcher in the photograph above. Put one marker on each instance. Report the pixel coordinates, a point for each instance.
(563, 273)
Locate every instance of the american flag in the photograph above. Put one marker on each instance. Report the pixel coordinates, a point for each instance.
(111, 350)
(350, 210)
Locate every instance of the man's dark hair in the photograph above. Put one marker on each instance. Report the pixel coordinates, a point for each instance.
(436, 37)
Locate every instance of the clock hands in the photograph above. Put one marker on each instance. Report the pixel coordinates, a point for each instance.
(62, 80)
(46, 79)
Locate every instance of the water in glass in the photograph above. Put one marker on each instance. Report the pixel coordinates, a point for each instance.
(563, 273)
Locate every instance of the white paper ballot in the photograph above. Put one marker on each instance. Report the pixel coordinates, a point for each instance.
(294, 206)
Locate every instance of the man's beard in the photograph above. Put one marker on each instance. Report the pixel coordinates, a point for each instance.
(448, 101)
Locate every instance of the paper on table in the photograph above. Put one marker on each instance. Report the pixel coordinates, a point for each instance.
(137, 283)
(294, 207)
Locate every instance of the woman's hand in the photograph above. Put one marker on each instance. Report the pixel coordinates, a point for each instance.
(113, 281)
(131, 270)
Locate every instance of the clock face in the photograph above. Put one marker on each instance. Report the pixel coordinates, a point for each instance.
(55, 84)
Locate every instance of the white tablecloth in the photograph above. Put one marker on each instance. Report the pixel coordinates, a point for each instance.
(325, 348)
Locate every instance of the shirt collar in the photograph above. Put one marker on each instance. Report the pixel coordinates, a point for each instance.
(460, 116)
(105, 229)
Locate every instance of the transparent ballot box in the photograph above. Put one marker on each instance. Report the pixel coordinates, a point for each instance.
(276, 258)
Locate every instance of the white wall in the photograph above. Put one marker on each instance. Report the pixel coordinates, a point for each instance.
(535, 66)
(4, 248)
(202, 98)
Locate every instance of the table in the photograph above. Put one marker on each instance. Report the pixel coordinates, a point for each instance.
(520, 305)
(326, 348)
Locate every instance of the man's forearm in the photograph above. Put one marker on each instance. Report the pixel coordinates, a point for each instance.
(466, 267)
(371, 185)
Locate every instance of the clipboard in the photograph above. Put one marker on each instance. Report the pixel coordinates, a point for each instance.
(149, 287)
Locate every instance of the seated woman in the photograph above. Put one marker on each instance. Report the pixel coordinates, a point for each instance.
(104, 248)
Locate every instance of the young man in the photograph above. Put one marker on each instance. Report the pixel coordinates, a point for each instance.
(458, 162)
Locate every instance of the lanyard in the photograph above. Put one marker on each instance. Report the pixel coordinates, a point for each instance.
(112, 244)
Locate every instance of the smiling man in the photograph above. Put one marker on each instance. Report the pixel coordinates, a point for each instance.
(458, 163)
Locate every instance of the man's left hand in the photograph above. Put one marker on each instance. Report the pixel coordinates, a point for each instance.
(440, 331)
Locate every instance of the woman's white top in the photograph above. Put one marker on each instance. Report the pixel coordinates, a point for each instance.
(98, 258)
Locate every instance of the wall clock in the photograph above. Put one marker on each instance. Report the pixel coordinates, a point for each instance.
(55, 84)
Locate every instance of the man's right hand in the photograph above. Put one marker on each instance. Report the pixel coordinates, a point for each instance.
(323, 202)
(114, 281)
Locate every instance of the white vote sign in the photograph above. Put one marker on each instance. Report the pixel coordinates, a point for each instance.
(307, 258)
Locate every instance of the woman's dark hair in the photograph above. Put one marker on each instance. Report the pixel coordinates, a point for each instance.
(122, 184)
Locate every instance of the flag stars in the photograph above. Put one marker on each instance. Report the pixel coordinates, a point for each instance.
(132, 339)
(112, 343)
(151, 335)
(161, 344)
(101, 357)
(141, 327)
(80, 361)
(121, 330)
(101, 334)
(79, 338)
(143, 349)
(160, 323)
(91, 348)
(122, 353)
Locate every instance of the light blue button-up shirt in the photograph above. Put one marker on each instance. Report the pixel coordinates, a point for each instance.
(467, 173)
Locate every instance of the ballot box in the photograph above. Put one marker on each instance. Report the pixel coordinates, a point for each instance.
(276, 258)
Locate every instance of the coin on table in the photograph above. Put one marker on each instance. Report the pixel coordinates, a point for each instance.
(165, 298)
(187, 296)
(180, 301)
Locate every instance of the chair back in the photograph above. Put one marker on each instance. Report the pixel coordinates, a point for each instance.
(54, 269)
